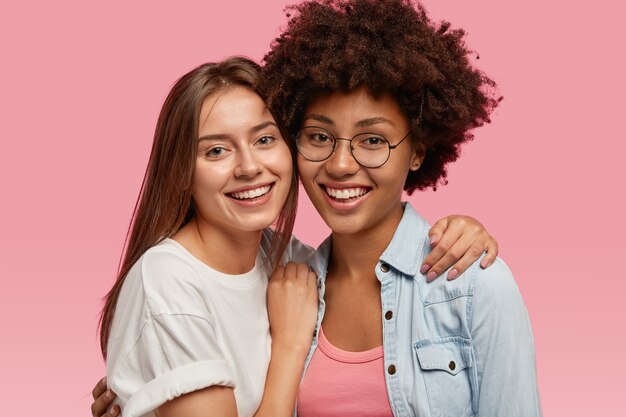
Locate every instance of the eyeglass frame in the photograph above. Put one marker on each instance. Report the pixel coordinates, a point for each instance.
(390, 147)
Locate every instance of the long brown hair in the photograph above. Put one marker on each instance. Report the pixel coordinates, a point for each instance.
(165, 202)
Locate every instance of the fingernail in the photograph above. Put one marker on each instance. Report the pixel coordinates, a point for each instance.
(424, 269)
(113, 411)
(484, 263)
(452, 274)
(431, 275)
(433, 239)
(103, 381)
(109, 394)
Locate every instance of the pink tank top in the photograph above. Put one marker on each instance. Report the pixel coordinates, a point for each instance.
(338, 383)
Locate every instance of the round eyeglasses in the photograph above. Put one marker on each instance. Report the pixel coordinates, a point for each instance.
(370, 150)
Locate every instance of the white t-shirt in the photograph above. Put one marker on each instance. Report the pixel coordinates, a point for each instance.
(180, 326)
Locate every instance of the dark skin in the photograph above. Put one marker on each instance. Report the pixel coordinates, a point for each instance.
(102, 399)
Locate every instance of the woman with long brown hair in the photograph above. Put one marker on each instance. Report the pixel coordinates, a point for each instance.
(188, 310)
(186, 325)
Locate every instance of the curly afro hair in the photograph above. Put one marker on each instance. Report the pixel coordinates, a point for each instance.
(389, 46)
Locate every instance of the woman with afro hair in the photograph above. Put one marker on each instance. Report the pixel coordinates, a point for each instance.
(379, 100)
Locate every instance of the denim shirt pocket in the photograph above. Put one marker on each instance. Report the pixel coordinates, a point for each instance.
(447, 365)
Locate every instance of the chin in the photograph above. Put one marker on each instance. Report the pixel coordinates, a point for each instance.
(259, 224)
(344, 226)
(250, 222)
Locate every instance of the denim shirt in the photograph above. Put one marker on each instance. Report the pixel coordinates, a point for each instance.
(451, 348)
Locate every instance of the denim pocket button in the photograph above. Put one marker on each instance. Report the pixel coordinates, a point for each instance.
(445, 365)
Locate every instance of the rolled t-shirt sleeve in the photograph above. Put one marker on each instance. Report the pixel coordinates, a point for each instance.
(176, 354)
(173, 348)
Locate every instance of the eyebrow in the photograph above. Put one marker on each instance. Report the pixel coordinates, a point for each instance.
(253, 129)
(360, 124)
(320, 118)
(373, 121)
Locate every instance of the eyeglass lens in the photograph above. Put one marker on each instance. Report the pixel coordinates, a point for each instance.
(368, 149)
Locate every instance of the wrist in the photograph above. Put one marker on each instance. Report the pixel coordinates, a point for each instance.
(294, 349)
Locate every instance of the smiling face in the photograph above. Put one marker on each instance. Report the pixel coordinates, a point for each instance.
(243, 167)
(350, 198)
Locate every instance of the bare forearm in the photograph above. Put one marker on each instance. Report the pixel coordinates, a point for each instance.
(292, 303)
(283, 380)
(212, 401)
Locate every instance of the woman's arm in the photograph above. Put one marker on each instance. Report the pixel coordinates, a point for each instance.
(211, 401)
(292, 302)
(292, 310)
(218, 400)
(281, 386)
(457, 242)
(503, 345)
(279, 397)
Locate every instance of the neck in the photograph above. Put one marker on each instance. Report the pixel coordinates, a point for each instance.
(354, 256)
(228, 252)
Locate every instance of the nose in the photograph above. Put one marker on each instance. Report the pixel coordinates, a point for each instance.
(341, 162)
(248, 164)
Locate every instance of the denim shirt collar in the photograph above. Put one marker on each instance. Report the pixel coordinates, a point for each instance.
(404, 253)
(406, 249)
(433, 325)
(321, 257)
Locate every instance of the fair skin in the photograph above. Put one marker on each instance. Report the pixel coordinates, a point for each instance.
(240, 151)
(236, 155)
(294, 285)
(241, 180)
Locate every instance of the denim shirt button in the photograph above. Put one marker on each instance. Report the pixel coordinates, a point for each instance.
(384, 267)
(391, 369)
(452, 365)
(389, 315)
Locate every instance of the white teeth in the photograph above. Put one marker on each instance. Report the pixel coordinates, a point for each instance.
(345, 193)
(257, 192)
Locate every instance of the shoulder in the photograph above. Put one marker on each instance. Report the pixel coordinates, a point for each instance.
(296, 251)
(488, 287)
(167, 258)
(497, 298)
(170, 279)
(494, 283)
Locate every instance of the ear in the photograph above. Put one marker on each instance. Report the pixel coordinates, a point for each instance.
(417, 157)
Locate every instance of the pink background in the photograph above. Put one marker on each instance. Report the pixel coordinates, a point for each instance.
(80, 88)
